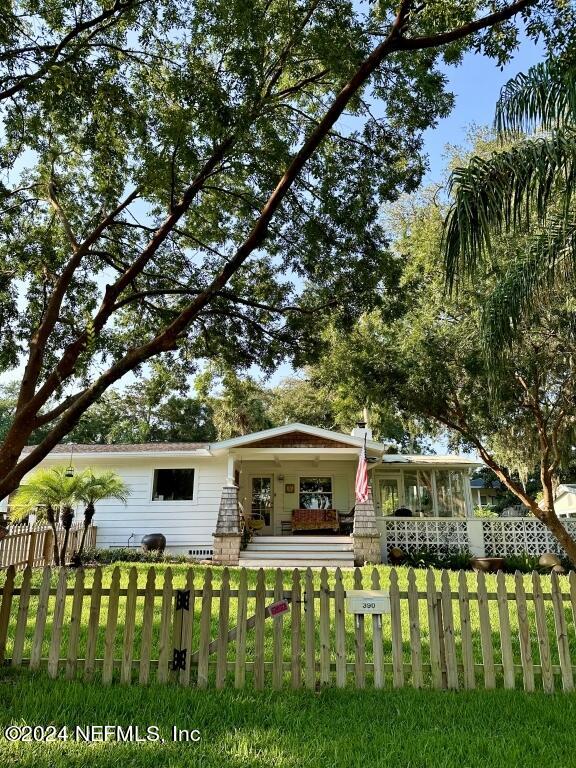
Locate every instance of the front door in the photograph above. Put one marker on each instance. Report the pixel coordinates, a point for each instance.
(262, 502)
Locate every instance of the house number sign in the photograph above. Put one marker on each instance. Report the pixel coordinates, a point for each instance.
(372, 601)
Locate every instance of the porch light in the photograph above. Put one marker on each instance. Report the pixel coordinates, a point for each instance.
(69, 472)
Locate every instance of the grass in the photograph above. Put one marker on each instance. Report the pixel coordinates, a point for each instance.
(179, 577)
(241, 729)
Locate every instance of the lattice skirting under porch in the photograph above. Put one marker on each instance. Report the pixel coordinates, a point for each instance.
(493, 537)
(413, 535)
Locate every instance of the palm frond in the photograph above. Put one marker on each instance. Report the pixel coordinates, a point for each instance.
(505, 193)
(549, 262)
(95, 486)
(45, 486)
(542, 98)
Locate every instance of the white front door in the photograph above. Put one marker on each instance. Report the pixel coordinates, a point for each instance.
(262, 501)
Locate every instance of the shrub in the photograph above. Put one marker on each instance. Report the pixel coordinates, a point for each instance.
(438, 557)
(485, 512)
(130, 555)
(523, 563)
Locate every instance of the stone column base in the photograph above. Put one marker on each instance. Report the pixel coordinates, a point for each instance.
(367, 549)
(226, 548)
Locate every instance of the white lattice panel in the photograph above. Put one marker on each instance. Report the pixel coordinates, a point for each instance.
(521, 536)
(413, 535)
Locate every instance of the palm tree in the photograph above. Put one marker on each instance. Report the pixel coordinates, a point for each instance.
(95, 487)
(53, 495)
(526, 189)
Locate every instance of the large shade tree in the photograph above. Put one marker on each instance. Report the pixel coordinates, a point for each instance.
(430, 365)
(179, 182)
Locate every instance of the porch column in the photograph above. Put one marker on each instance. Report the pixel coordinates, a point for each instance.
(227, 534)
(365, 534)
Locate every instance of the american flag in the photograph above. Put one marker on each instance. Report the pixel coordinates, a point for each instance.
(362, 477)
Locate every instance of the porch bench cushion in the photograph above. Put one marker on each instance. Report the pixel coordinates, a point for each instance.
(315, 519)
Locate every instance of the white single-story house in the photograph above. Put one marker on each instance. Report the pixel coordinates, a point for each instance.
(565, 501)
(297, 479)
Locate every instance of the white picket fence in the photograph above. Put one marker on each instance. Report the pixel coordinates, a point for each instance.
(33, 545)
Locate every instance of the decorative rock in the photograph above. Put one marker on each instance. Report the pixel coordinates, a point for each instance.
(153, 541)
(559, 569)
(549, 560)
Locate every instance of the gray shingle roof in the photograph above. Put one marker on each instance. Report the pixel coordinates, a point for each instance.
(125, 448)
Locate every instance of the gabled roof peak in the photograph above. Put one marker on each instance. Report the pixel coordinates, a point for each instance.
(297, 427)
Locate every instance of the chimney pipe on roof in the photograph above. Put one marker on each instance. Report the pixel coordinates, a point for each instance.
(362, 430)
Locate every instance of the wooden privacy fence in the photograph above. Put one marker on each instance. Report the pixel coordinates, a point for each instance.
(250, 628)
(33, 545)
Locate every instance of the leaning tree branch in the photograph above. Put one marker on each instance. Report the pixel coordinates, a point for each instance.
(168, 338)
(118, 8)
(29, 403)
(443, 38)
(45, 418)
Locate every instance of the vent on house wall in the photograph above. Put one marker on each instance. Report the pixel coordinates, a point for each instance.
(201, 552)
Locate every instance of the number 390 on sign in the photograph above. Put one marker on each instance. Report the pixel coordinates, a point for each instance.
(372, 601)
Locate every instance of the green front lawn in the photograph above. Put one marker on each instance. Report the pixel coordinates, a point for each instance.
(344, 728)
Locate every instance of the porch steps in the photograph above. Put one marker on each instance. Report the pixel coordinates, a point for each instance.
(298, 552)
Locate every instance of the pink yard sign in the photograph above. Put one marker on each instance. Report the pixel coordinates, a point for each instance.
(275, 609)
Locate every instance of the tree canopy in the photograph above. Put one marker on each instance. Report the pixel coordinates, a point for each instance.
(431, 367)
(179, 181)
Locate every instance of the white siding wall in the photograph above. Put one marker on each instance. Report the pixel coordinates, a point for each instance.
(565, 503)
(186, 524)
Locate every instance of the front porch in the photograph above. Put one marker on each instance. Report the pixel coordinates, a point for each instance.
(299, 483)
(313, 494)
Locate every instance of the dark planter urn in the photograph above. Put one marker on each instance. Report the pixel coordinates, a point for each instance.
(153, 541)
(487, 564)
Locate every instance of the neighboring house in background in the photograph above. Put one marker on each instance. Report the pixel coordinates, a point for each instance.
(485, 492)
(565, 501)
(283, 475)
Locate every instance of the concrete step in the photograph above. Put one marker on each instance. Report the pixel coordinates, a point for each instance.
(304, 539)
(287, 563)
(281, 546)
(295, 555)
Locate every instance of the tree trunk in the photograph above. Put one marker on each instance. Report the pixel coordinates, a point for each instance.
(546, 514)
(88, 517)
(551, 521)
(51, 518)
(67, 518)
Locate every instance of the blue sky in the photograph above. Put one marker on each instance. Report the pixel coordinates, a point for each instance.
(476, 84)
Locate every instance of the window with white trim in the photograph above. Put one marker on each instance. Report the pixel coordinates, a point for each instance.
(173, 485)
(315, 493)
